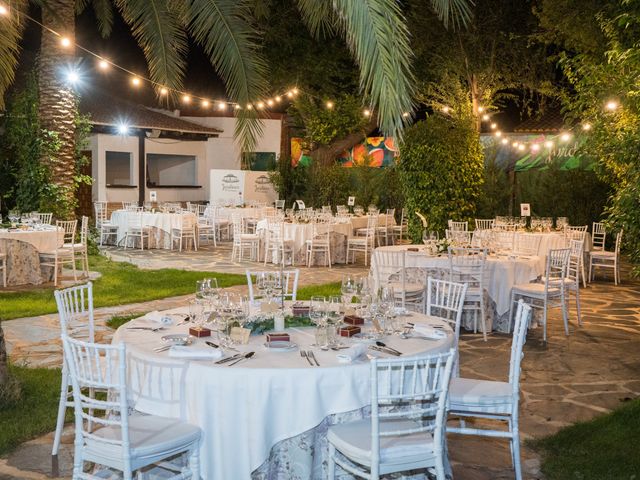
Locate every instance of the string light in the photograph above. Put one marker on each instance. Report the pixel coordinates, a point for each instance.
(223, 106)
(367, 113)
(535, 147)
(237, 106)
(480, 109)
(186, 98)
(611, 105)
(278, 98)
(329, 105)
(260, 105)
(205, 103)
(65, 42)
(565, 137)
(270, 102)
(446, 109)
(405, 114)
(515, 144)
(163, 91)
(485, 117)
(249, 106)
(4, 10)
(498, 133)
(548, 144)
(135, 81)
(521, 147)
(295, 91)
(290, 94)
(586, 127)
(494, 126)
(103, 64)
(505, 141)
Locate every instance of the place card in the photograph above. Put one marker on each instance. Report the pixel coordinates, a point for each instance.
(240, 335)
(199, 332)
(349, 331)
(278, 337)
(353, 320)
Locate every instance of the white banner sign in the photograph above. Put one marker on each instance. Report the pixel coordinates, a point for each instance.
(227, 187)
(258, 187)
(525, 210)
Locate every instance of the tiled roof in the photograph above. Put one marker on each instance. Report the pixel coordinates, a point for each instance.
(105, 109)
(551, 121)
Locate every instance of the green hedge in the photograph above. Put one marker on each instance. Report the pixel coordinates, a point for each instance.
(441, 171)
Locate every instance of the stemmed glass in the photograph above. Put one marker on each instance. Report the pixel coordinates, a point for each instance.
(334, 319)
(196, 312)
(348, 288)
(317, 314)
(386, 305)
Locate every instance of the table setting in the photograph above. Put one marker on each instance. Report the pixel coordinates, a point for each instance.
(260, 397)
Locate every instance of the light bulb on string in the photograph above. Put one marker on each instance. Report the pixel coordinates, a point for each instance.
(135, 81)
(504, 141)
(535, 147)
(548, 144)
(565, 137)
(103, 64)
(278, 99)
(445, 109)
(163, 91)
(290, 94)
(498, 133)
(223, 106)
(611, 105)
(237, 106)
(480, 109)
(65, 42)
(249, 106)
(485, 117)
(270, 102)
(405, 114)
(494, 126)
(4, 10)
(294, 91)
(205, 103)
(260, 105)
(329, 104)
(586, 127)
(186, 98)
(367, 113)
(515, 144)
(521, 147)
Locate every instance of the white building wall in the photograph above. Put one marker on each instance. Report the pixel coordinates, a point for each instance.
(100, 144)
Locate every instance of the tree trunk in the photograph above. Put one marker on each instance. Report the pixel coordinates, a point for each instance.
(57, 99)
(327, 154)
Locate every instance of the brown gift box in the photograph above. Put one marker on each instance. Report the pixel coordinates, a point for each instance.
(278, 337)
(199, 332)
(300, 310)
(353, 320)
(349, 331)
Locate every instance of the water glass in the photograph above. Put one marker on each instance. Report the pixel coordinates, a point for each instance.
(348, 288)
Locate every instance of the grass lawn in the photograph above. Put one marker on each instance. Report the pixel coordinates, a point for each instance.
(607, 447)
(35, 413)
(121, 283)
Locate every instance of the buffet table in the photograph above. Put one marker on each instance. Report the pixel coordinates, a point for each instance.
(501, 273)
(23, 247)
(267, 416)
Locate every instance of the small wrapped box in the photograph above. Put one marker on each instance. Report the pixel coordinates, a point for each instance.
(300, 310)
(199, 332)
(349, 331)
(278, 337)
(353, 320)
(413, 249)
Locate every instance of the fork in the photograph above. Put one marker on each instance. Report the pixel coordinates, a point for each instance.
(313, 356)
(303, 353)
(151, 329)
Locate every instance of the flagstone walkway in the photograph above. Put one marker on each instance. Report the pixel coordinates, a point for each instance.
(590, 372)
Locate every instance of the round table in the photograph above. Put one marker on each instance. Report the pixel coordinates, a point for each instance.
(299, 233)
(23, 247)
(247, 409)
(159, 223)
(501, 274)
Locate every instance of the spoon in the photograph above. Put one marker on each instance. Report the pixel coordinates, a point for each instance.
(384, 345)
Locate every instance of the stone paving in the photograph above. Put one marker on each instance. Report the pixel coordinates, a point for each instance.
(590, 372)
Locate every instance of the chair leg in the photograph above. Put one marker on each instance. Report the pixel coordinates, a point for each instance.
(515, 448)
(194, 462)
(582, 272)
(590, 269)
(483, 317)
(510, 311)
(565, 313)
(578, 306)
(544, 321)
(73, 265)
(616, 273)
(62, 410)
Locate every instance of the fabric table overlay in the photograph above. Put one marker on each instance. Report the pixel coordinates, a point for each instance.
(160, 225)
(246, 410)
(23, 247)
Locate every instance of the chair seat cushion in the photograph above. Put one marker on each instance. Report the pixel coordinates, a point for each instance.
(535, 288)
(149, 435)
(353, 439)
(603, 255)
(411, 288)
(468, 394)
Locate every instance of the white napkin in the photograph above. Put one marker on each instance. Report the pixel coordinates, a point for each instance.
(184, 351)
(352, 353)
(158, 318)
(428, 331)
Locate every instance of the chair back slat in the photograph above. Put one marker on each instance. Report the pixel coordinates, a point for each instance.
(75, 309)
(458, 226)
(526, 244)
(598, 236)
(286, 283)
(69, 228)
(523, 317)
(484, 223)
(445, 300)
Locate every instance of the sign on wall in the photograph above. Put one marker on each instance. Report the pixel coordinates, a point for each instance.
(236, 187)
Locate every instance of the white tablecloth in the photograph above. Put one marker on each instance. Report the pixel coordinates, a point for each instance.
(160, 223)
(299, 233)
(45, 240)
(246, 409)
(361, 222)
(501, 273)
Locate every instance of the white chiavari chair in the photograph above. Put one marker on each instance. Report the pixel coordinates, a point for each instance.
(184, 229)
(118, 440)
(402, 228)
(408, 415)
(136, 229)
(493, 399)
(391, 272)
(287, 283)
(467, 265)
(484, 224)
(320, 242)
(65, 254)
(103, 224)
(82, 248)
(244, 241)
(363, 243)
(458, 226)
(607, 260)
(526, 244)
(458, 238)
(598, 237)
(43, 218)
(276, 244)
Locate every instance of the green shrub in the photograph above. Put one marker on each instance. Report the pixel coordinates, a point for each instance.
(441, 170)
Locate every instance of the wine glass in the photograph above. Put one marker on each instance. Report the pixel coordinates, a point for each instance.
(196, 312)
(386, 305)
(317, 315)
(202, 289)
(334, 318)
(348, 288)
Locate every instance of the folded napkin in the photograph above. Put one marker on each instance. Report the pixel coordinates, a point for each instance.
(428, 331)
(184, 351)
(158, 318)
(352, 353)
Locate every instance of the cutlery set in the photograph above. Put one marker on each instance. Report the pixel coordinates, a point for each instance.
(238, 357)
(310, 356)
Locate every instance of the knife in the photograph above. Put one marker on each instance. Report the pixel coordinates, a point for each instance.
(228, 359)
(384, 345)
(242, 357)
(213, 345)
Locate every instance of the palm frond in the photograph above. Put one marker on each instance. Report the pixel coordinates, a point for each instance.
(104, 15)
(456, 13)
(81, 5)
(318, 15)
(224, 30)
(11, 28)
(378, 38)
(156, 26)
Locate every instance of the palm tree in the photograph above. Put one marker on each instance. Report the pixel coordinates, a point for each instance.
(374, 30)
